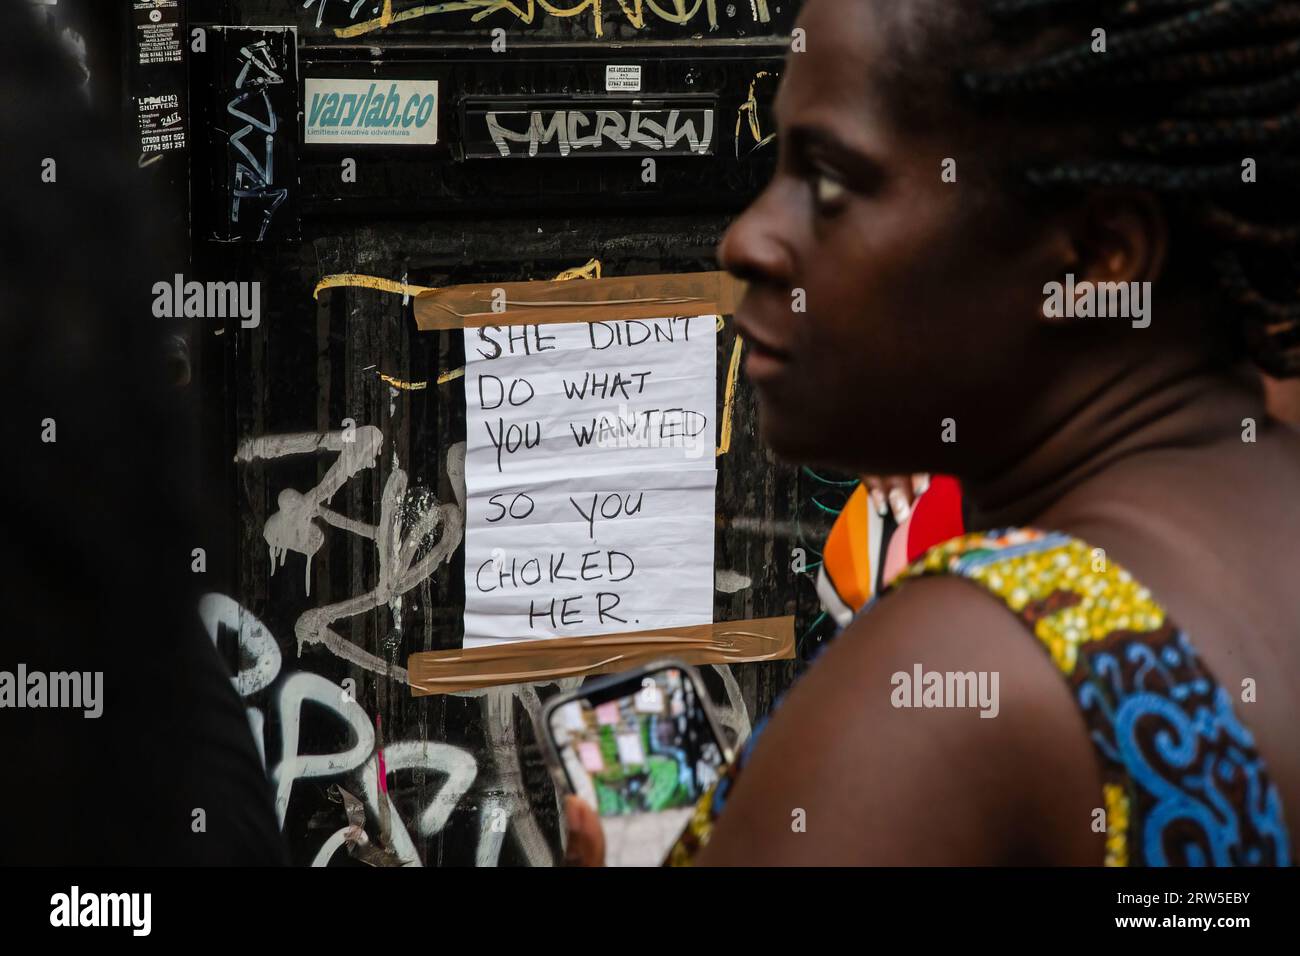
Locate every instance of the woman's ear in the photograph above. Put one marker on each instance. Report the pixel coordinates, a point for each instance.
(1121, 237)
(1109, 249)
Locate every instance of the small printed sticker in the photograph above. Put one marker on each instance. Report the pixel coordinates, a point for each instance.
(383, 112)
(622, 79)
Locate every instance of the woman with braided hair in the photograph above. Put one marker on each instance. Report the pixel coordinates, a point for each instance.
(1126, 585)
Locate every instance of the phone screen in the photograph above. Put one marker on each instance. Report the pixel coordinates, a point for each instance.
(641, 752)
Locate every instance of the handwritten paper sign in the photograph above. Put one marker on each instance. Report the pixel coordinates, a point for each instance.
(590, 477)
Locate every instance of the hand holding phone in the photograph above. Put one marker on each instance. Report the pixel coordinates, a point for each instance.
(585, 842)
(639, 749)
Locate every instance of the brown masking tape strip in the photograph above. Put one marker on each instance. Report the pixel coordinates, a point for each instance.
(539, 661)
(592, 300)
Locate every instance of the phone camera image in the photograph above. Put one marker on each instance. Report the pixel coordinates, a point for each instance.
(642, 757)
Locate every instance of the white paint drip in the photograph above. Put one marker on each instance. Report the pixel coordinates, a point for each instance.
(729, 582)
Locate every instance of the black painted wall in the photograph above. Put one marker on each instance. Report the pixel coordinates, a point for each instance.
(465, 777)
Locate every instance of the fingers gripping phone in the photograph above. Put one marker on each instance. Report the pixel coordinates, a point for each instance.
(640, 748)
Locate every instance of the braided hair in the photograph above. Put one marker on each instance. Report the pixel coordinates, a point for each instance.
(1197, 101)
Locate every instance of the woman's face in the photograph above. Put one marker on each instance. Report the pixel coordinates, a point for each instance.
(922, 299)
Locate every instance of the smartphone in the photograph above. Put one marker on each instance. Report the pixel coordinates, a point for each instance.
(641, 748)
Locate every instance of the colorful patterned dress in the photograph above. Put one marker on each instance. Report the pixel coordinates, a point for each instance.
(1182, 783)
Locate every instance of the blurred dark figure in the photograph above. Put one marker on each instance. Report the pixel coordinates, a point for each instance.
(100, 523)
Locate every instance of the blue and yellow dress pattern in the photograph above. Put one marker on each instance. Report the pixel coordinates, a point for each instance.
(1182, 783)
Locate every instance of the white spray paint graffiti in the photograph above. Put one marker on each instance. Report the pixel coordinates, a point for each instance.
(256, 643)
(293, 528)
(733, 715)
(358, 761)
(255, 179)
(729, 582)
(298, 689)
(506, 799)
(510, 799)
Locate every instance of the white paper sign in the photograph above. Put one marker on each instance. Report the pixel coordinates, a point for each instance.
(590, 475)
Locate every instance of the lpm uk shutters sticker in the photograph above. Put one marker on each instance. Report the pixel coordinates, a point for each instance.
(379, 112)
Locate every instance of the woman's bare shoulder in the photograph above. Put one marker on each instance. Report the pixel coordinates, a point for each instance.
(934, 730)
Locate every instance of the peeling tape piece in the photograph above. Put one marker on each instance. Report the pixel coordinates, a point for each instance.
(356, 813)
(592, 300)
(354, 834)
(378, 283)
(402, 384)
(729, 399)
(730, 642)
(589, 271)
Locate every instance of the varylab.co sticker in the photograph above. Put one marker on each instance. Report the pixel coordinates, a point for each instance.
(380, 112)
